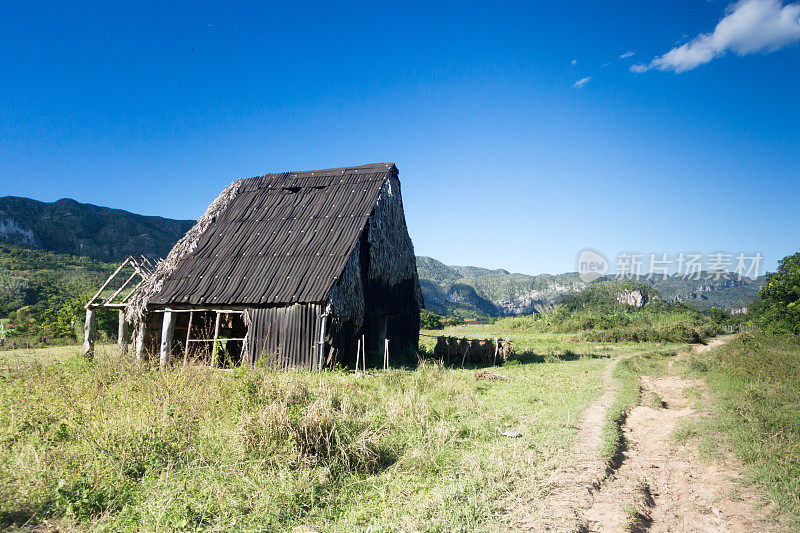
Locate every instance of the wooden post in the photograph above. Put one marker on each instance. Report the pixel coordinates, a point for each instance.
(167, 328)
(464, 358)
(363, 354)
(139, 343)
(188, 336)
(122, 333)
(386, 355)
(321, 362)
(358, 354)
(88, 333)
(331, 357)
(496, 349)
(214, 343)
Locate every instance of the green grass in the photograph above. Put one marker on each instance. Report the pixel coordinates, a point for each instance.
(754, 385)
(533, 342)
(611, 322)
(108, 445)
(533, 345)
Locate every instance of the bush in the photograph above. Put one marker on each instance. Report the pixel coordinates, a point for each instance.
(781, 297)
(597, 316)
(453, 320)
(428, 320)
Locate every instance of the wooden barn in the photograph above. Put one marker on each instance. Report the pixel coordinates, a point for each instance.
(296, 267)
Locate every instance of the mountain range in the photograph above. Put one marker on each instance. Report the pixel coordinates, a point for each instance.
(108, 235)
(100, 233)
(475, 292)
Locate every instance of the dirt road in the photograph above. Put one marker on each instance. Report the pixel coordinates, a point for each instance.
(659, 485)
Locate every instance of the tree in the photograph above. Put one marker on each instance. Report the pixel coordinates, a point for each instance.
(430, 320)
(781, 296)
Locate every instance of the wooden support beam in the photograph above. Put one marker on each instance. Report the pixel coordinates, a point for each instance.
(116, 293)
(358, 354)
(102, 288)
(127, 296)
(209, 309)
(321, 362)
(212, 340)
(122, 333)
(107, 306)
(139, 343)
(188, 337)
(167, 329)
(214, 346)
(88, 333)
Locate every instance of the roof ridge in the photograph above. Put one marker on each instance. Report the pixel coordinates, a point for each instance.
(372, 167)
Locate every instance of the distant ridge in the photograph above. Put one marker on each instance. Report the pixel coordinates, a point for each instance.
(108, 235)
(480, 292)
(102, 233)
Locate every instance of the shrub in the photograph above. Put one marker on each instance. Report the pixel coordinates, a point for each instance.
(428, 320)
(781, 297)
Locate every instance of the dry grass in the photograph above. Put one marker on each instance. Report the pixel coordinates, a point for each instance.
(109, 445)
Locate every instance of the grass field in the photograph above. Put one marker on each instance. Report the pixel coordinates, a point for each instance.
(533, 345)
(111, 446)
(754, 392)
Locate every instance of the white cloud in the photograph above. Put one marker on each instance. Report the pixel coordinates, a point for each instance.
(581, 82)
(574, 62)
(749, 27)
(627, 54)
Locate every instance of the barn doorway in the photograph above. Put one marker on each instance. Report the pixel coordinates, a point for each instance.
(215, 338)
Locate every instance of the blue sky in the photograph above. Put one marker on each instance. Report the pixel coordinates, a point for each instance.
(691, 144)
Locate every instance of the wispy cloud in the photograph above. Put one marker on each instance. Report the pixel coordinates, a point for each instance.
(574, 62)
(627, 54)
(581, 82)
(749, 27)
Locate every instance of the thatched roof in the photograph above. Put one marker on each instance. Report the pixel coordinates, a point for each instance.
(278, 238)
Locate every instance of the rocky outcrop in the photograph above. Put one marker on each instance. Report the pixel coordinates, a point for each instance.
(538, 301)
(11, 231)
(634, 298)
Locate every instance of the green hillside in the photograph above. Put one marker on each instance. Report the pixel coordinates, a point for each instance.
(43, 292)
(102, 233)
(30, 277)
(475, 292)
(52, 252)
(707, 293)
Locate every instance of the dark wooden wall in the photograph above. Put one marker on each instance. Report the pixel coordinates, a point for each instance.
(287, 335)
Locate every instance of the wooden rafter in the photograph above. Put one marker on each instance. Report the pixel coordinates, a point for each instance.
(142, 267)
